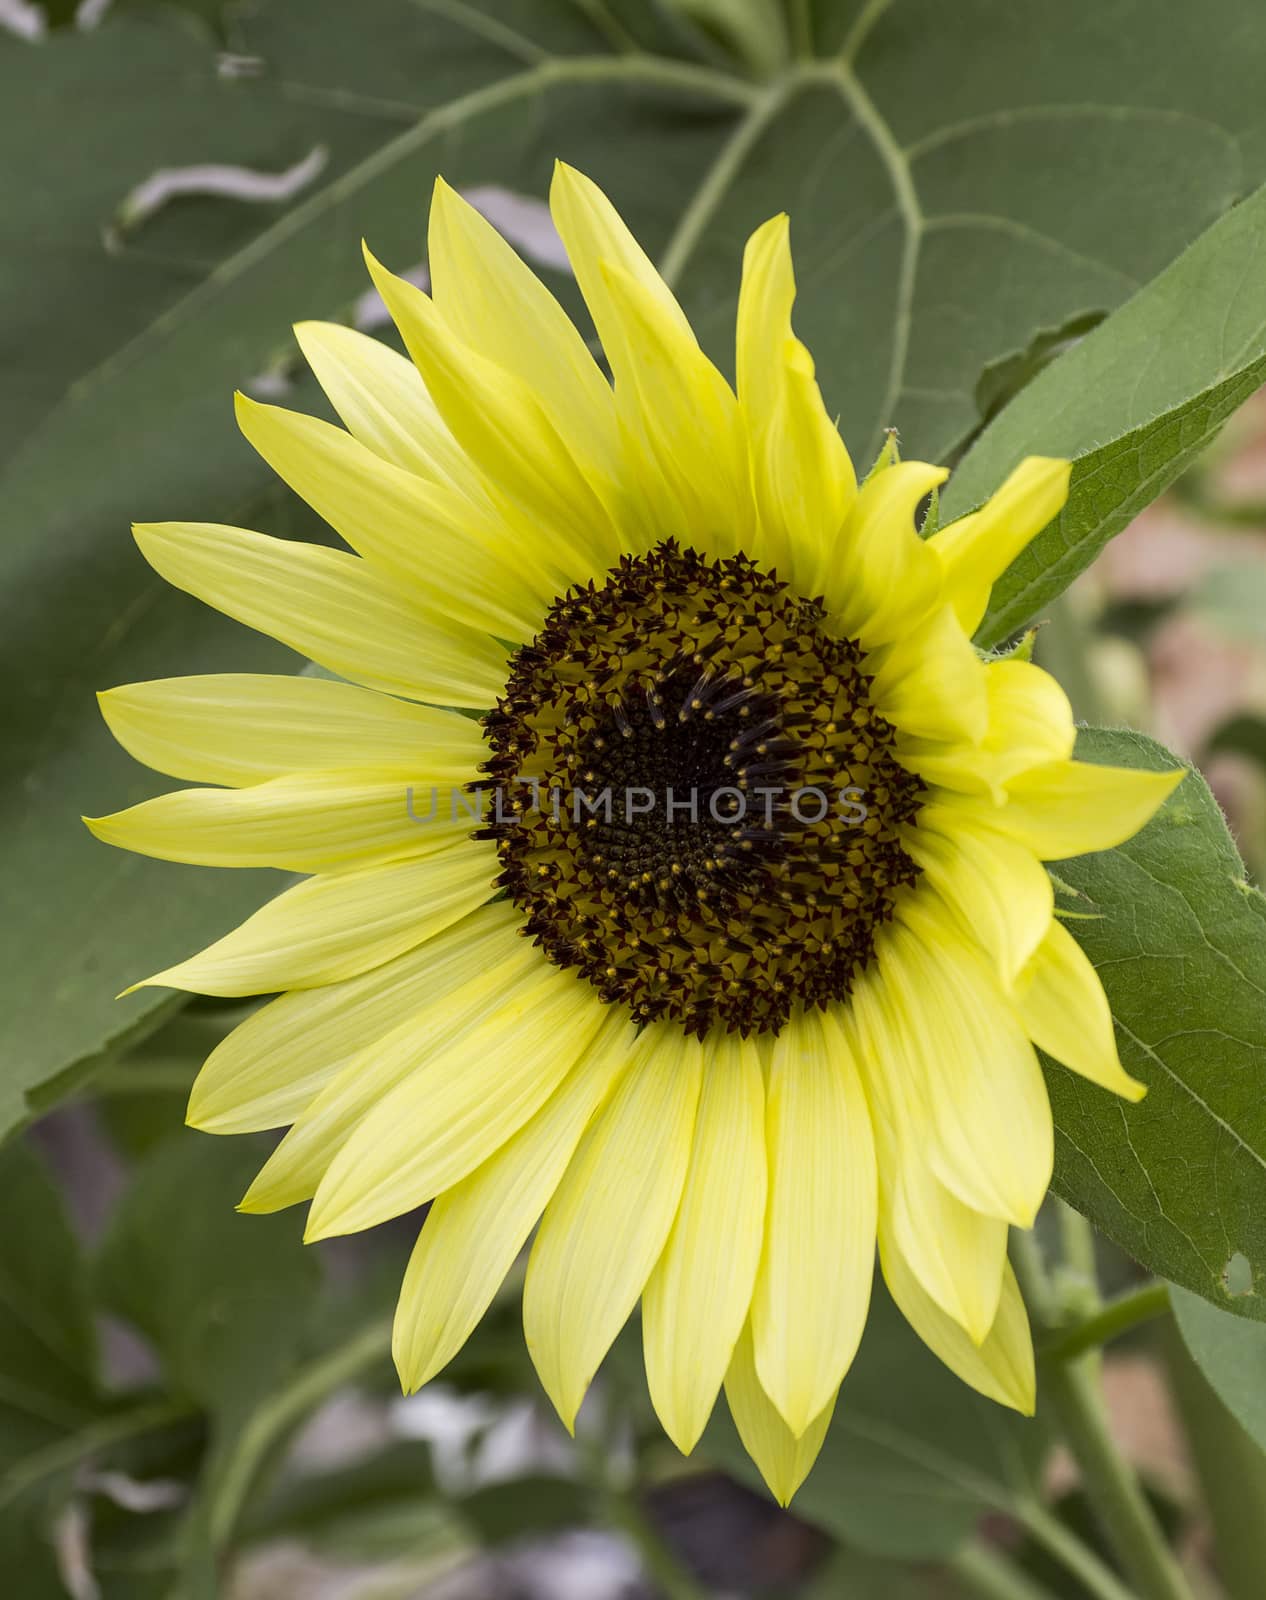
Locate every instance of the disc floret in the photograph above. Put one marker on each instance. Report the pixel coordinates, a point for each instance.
(698, 807)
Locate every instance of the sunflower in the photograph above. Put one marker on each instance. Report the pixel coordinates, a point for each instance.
(674, 863)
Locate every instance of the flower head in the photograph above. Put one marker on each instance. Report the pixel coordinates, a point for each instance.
(735, 962)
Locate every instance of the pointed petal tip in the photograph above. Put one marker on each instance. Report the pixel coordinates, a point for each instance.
(158, 981)
(442, 190)
(318, 1225)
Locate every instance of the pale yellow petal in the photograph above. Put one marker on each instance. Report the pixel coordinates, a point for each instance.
(498, 306)
(990, 1137)
(804, 481)
(242, 728)
(813, 1286)
(383, 402)
(499, 422)
(999, 892)
(977, 549)
(454, 1106)
(475, 1230)
(684, 412)
(442, 1014)
(1030, 722)
(884, 578)
(272, 1066)
(1001, 1366)
(931, 683)
(452, 558)
(314, 822)
(957, 1254)
(1061, 1003)
(331, 606)
(1069, 808)
(593, 233)
(607, 1223)
(783, 1457)
(333, 927)
(698, 1296)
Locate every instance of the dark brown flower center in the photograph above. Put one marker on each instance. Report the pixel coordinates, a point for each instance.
(697, 806)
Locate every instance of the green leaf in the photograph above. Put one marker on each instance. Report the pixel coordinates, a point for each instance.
(226, 1300)
(913, 1457)
(50, 1403)
(222, 1297)
(1179, 939)
(1231, 1352)
(48, 1351)
(1131, 405)
(956, 193)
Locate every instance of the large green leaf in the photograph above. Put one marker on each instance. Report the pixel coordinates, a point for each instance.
(913, 1458)
(222, 1297)
(1232, 1355)
(1179, 938)
(227, 1302)
(49, 1396)
(956, 193)
(1130, 405)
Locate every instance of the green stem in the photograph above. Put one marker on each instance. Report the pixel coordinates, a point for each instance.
(1109, 1322)
(1077, 1240)
(984, 1571)
(1073, 1388)
(310, 1387)
(88, 1441)
(1111, 1484)
(800, 27)
(1078, 1559)
(1063, 648)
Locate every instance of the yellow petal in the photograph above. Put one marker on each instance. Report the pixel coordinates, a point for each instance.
(977, 549)
(452, 558)
(804, 481)
(330, 606)
(957, 1254)
(1061, 1003)
(242, 728)
(273, 1065)
(498, 306)
(698, 1296)
(684, 412)
(454, 1106)
(1029, 723)
(594, 233)
(999, 892)
(315, 822)
(475, 1230)
(931, 683)
(606, 1225)
(1068, 808)
(989, 1138)
(499, 422)
(383, 402)
(328, 928)
(813, 1286)
(783, 1457)
(443, 1012)
(1001, 1366)
(884, 578)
